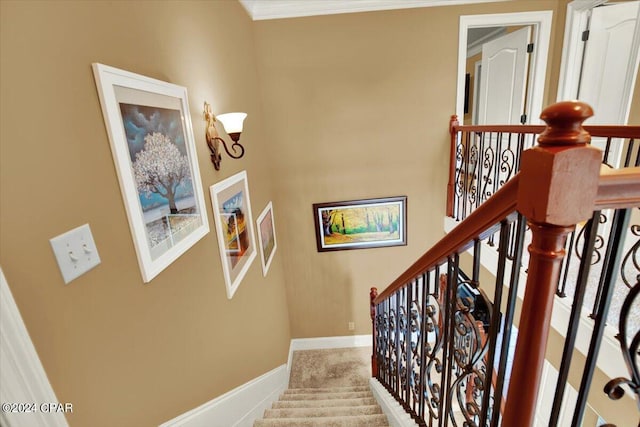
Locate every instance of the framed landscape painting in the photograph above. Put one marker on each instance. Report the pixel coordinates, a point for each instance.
(267, 237)
(234, 225)
(359, 224)
(149, 128)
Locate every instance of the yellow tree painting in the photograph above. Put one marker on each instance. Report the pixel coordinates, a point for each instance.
(360, 223)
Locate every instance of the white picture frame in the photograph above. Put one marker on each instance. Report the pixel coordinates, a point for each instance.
(265, 224)
(149, 128)
(234, 227)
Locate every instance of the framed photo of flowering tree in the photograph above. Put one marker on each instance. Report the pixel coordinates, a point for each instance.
(151, 137)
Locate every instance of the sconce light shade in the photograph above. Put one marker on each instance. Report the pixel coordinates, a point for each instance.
(232, 123)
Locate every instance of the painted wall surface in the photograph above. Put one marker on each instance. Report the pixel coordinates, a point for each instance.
(340, 107)
(125, 353)
(359, 105)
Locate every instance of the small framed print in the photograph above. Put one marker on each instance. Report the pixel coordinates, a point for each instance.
(234, 225)
(267, 237)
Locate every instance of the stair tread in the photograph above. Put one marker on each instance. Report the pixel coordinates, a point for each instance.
(332, 411)
(327, 390)
(344, 421)
(326, 396)
(364, 401)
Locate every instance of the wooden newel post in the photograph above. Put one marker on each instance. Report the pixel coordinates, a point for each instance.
(557, 189)
(453, 123)
(374, 364)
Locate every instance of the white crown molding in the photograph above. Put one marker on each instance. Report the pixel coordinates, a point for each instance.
(276, 9)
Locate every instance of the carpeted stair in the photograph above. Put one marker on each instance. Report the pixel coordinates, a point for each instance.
(327, 388)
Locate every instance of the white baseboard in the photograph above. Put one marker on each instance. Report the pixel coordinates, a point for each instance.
(238, 408)
(396, 415)
(243, 405)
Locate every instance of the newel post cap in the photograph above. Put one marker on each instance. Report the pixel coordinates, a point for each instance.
(559, 177)
(564, 124)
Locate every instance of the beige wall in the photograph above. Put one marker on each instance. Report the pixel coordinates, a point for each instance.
(340, 107)
(359, 106)
(123, 352)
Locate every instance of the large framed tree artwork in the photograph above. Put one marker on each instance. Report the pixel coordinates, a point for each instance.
(153, 149)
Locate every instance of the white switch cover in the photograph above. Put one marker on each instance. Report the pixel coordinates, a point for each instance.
(76, 252)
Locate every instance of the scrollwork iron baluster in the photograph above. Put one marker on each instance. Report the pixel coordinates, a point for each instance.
(630, 347)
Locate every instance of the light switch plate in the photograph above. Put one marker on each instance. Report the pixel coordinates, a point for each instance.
(76, 252)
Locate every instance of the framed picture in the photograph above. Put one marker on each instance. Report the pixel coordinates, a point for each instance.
(152, 143)
(358, 224)
(234, 225)
(267, 237)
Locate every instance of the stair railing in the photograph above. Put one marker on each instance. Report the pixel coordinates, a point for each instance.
(439, 338)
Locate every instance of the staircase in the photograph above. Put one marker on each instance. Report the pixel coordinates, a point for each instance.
(327, 387)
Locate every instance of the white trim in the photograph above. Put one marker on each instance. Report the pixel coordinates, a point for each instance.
(577, 17)
(476, 47)
(250, 400)
(239, 407)
(541, 20)
(396, 415)
(477, 76)
(275, 9)
(327, 342)
(22, 375)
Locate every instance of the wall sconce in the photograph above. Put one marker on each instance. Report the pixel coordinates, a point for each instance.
(232, 123)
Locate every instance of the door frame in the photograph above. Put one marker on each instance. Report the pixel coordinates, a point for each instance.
(578, 13)
(541, 22)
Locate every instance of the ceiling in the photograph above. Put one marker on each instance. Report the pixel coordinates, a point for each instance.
(274, 9)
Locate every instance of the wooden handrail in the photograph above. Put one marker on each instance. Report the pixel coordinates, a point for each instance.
(481, 223)
(613, 131)
(618, 188)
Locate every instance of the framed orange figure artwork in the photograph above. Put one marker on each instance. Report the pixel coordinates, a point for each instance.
(360, 224)
(267, 237)
(234, 226)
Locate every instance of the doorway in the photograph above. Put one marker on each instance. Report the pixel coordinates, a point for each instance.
(540, 22)
(601, 52)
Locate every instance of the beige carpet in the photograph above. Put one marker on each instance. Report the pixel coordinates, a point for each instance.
(329, 388)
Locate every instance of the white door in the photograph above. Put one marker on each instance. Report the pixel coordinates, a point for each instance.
(504, 78)
(610, 63)
(610, 68)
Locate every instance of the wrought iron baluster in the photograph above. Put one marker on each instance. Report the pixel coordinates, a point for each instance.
(630, 347)
(607, 149)
(619, 223)
(449, 302)
(422, 345)
(562, 283)
(627, 158)
(591, 231)
(512, 296)
(596, 258)
(630, 260)
(494, 327)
